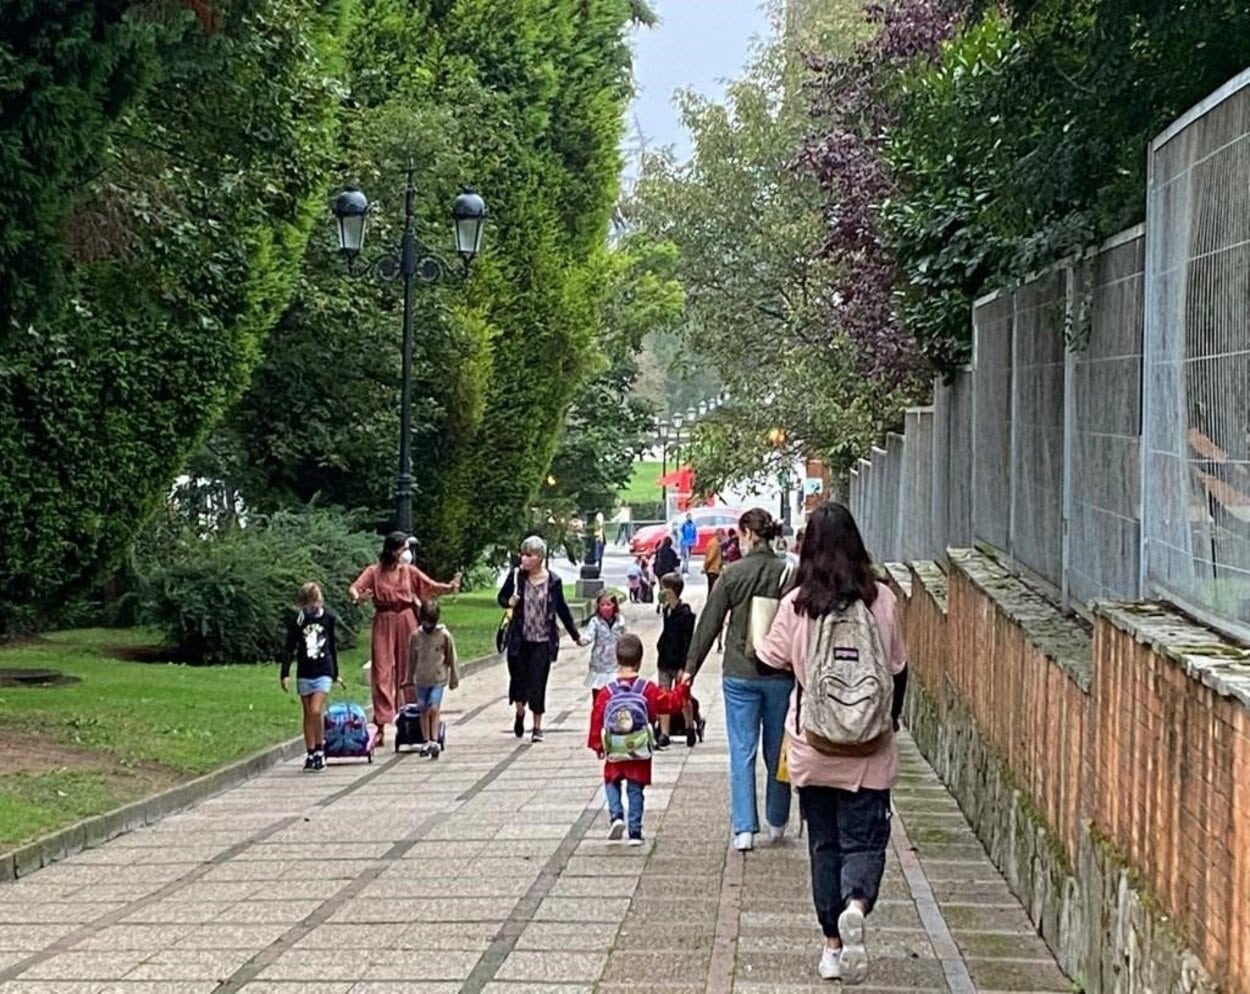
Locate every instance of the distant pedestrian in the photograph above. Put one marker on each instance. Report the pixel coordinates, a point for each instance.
(599, 537)
(633, 580)
(689, 539)
(603, 633)
(397, 589)
(666, 561)
(624, 524)
(620, 734)
(674, 644)
(713, 563)
(731, 549)
(311, 642)
(535, 596)
(431, 670)
(839, 628)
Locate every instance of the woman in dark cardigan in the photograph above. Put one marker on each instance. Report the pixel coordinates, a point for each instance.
(536, 597)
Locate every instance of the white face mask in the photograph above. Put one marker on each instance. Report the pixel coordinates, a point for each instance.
(405, 557)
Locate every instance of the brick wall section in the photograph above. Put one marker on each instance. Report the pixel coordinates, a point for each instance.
(1172, 720)
(1143, 731)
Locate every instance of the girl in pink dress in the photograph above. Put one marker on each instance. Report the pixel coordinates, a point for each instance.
(396, 588)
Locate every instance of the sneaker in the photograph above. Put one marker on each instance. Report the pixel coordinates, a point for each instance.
(435, 750)
(423, 749)
(308, 762)
(319, 762)
(663, 742)
(518, 726)
(536, 736)
(854, 959)
(616, 830)
(830, 964)
(776, 833)
(691, 736)
(744, 841)
(635, 840)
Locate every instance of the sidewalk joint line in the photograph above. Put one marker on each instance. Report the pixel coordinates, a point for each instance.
(953, 966)
(527, 905)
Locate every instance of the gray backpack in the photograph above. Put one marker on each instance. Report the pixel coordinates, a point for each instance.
(846, 708)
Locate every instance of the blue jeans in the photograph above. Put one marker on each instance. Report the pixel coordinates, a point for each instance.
(749, 706)
(616, 810)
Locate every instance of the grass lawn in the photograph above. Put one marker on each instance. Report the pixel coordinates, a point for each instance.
(644, 486)
(132, 728)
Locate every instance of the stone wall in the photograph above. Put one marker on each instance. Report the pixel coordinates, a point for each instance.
(1107, 773)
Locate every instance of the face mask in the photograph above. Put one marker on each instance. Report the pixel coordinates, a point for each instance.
(406, 557)
(606, 611)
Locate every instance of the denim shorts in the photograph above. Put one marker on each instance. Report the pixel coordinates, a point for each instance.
(429, 697)
(317, 685)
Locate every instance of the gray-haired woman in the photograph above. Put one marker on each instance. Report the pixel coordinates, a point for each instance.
(536, 597)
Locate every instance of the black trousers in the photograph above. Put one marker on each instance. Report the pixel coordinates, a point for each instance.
(528, 671)
(847, 832)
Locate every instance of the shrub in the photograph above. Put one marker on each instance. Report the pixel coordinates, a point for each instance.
(228, 597)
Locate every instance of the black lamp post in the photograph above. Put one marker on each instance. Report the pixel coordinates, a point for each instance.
(662, 430)
(411, 261)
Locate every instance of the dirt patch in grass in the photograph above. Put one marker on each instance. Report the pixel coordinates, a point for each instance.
(30, 754)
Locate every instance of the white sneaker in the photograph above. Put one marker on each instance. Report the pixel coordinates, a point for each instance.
(830, 964)
(776, 833)
(635, 840)
(854, 955)
(435, 749)
(744, 842)
(617, 830)
(423, 749)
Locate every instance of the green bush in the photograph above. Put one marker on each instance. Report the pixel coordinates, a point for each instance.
(228, 597)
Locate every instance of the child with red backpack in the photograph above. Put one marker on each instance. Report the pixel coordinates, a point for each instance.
(620, 734)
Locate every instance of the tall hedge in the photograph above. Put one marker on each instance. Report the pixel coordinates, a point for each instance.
(525, 99)
(174, 219)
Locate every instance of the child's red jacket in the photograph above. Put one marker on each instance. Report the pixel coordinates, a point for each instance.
(658, 702)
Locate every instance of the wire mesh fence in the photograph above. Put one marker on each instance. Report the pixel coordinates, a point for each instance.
(1197, 395)
(1100, 440)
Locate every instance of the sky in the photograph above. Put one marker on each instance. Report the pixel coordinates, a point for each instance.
(697, 44)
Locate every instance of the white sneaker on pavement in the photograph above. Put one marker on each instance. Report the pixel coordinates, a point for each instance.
(744, 842)
(617, 830)
(776, 833)
(854, 955)
(830, 964)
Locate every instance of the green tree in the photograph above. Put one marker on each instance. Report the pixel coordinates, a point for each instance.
(748, 227)
(177, 253)
(524, 99)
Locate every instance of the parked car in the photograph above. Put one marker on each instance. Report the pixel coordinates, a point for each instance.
(707, 519)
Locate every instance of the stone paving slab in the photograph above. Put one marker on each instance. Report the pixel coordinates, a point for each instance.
(488, 872)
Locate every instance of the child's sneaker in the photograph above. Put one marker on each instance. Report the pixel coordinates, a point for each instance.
(423, 749)
(635, 840)
(435, 750)
(616, 830)
(319, 762)
(308, 763)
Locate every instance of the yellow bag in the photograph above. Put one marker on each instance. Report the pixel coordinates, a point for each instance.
(783, 762)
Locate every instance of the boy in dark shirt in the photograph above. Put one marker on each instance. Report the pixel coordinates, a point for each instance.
(311, 642)
(674, 643)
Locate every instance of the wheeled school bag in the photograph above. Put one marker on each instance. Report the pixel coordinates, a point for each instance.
(348, 734)
(408, 728)
(677, 724)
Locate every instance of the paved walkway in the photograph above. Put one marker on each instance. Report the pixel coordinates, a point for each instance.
(488, 872)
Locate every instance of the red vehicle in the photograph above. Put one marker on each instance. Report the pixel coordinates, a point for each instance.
(707, 520)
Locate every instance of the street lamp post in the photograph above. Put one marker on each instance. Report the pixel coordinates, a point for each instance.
(663, 430)
(412, 261)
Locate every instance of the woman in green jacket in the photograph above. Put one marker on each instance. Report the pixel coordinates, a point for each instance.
(755, 703)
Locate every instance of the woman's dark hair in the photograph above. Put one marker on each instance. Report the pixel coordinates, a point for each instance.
(761, 524)
(429, 612)
(834, 567)
(392, 546)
